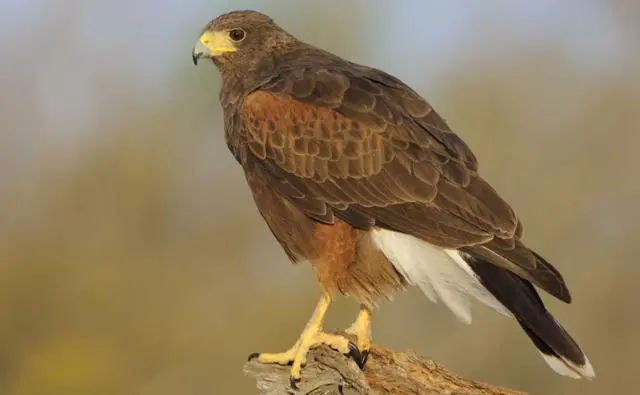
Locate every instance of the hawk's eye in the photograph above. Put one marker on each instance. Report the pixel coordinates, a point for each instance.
(237, 34)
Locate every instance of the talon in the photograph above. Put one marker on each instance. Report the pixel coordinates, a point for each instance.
(361, 328)
(253, 355)
(365, 357)
(356, 355)
(294, 382)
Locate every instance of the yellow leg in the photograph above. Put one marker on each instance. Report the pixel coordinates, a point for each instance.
(312, 336)
(361, 328)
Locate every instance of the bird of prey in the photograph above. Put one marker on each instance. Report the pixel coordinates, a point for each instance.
(354, 172)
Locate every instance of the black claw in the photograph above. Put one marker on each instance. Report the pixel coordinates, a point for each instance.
(253, 355)
(365, 358)
(294, 382)
(357, 356)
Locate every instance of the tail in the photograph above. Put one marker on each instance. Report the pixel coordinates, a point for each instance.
(556, 346)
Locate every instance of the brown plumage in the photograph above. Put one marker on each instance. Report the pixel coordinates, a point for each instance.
(335, 152)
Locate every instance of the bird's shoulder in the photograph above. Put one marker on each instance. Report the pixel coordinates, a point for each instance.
(375, 99)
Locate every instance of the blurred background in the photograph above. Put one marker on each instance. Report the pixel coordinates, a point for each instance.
(133, 261)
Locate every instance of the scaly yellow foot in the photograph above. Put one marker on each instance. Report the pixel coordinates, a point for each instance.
(361, 328)
(311, 337)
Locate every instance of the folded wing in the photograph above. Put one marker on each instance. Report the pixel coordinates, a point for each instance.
(358, 144)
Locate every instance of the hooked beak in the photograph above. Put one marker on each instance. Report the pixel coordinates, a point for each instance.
(212, 44)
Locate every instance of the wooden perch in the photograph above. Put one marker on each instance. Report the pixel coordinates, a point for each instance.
(327, 372)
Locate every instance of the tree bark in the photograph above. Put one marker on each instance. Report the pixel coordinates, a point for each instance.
(386, 372)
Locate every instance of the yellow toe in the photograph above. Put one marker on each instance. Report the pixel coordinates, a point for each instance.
(361, 328)
(281, 358)
(337, 342)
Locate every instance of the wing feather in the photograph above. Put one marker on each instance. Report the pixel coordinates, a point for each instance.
(358, 144)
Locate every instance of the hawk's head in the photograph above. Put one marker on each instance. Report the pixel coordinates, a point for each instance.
(241, 41)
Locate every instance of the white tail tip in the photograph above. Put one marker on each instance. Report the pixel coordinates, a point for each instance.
(569, 369)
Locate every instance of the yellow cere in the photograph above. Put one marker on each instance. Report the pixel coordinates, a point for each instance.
(217, 42)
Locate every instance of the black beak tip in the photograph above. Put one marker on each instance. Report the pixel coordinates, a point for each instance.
(195, 58)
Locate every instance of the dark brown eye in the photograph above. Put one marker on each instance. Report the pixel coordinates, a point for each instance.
(237, 34)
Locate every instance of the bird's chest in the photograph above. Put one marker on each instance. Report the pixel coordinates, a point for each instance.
(343, 257)
(331, 249)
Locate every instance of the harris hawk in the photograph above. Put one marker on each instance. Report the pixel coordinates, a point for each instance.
(354, 172)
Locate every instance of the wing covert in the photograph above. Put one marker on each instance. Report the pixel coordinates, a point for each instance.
(369, 150)
(359, 143)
